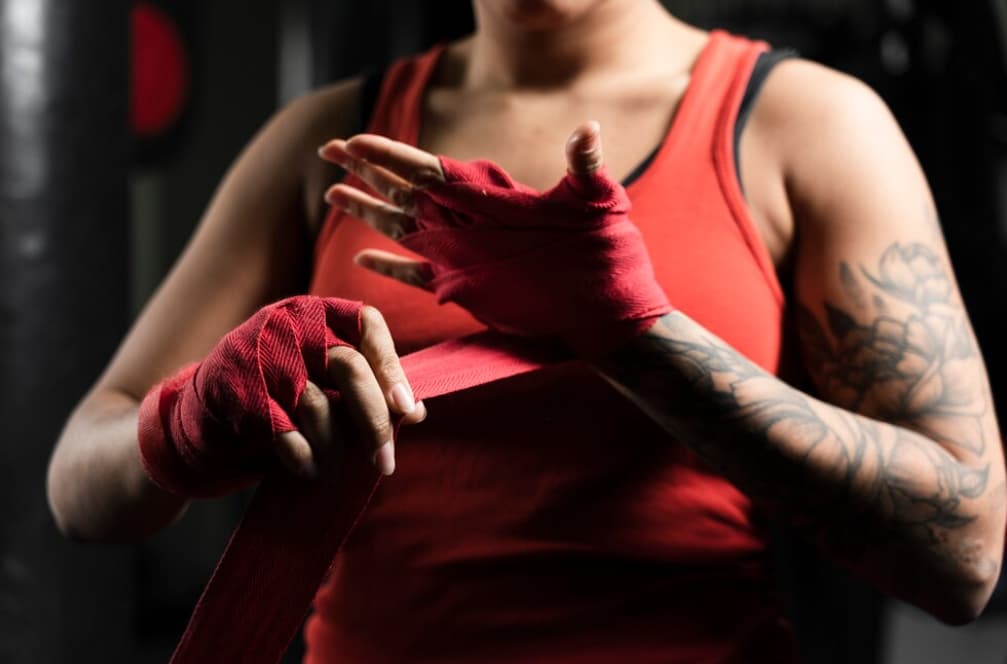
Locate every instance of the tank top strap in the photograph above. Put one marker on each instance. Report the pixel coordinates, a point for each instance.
(718, 84)
(701, 140)
(736, 65)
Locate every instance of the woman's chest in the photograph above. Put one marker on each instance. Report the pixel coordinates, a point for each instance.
(527, 134)
(702, 258)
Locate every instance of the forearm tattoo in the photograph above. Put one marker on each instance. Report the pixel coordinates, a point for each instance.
(897, 358)
(912, 360)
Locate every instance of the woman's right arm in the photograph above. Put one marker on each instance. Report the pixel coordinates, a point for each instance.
(251, 247)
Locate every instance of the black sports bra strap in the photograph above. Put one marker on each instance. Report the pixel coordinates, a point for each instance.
(763, 66)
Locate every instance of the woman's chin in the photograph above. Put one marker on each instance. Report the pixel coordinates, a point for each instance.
(542, 14)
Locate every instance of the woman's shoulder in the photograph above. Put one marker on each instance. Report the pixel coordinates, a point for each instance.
(298, 127)
(805, 103)
(319, 114)
(329, 107)
(308, 121)
(808, 119)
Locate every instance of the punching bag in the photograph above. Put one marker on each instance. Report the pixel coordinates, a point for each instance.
(64, 159)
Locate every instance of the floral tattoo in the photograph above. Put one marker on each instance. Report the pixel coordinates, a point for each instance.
(897, 358)
(906, 355)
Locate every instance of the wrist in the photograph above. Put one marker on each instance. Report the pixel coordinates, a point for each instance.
(604, 342)
(159, 452)
(174, 433)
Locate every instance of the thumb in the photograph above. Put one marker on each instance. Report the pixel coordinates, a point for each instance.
(583, 149)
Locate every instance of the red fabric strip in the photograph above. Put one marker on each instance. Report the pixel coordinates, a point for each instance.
(289, 536)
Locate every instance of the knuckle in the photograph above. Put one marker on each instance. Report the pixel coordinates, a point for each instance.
(383, 430)
(295, 448)
(388, 227)
(391, 224)
(401, 197)
(388, 367)
(312, 398)
(371, 317)
(357, 366)
(347, 361)
(371, 414)
(379, 349)
(337, 354)
(424, 177)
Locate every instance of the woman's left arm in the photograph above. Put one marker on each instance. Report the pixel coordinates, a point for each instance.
(897, 467)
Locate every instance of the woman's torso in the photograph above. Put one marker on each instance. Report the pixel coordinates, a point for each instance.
(544, 516)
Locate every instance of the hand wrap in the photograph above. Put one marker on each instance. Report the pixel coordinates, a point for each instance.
(209, 429)
(566, 263)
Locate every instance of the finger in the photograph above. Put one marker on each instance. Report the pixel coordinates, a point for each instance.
(314, 421)
(583, 149)
(382, 216)
(387, 184)
(367, 405)
(419, 168)
(377, 346)
(295, 454)
(407, 270)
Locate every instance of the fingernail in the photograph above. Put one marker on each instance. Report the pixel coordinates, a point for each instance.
(403, 399)
(384, 458)
(324, 148)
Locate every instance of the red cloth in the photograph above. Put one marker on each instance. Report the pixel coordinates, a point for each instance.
(289, 536)
(209, 429)
(544, 517)
(566, 263)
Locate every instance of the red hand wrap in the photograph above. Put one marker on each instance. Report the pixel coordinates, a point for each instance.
(290, 534)
(209, 429)
(567, 263)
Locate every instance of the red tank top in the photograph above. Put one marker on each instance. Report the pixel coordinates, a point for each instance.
(544, 517)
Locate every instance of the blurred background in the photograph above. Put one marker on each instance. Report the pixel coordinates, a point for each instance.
(99, 190)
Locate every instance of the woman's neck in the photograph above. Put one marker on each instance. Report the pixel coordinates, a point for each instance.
(614, 37)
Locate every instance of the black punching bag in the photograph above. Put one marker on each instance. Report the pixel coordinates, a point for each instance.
(64, 159)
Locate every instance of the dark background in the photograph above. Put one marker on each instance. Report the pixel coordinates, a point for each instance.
(91, 218)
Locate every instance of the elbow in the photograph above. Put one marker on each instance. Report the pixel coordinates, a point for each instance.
(54, 495)
(112, 510)
(964, 599)
(977, 556)
(68, 531)
(964, 608)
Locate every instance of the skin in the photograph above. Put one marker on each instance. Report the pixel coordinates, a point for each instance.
(250, 249)
(894, 464)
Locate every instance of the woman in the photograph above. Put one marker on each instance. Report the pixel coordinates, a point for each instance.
(574, 513)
